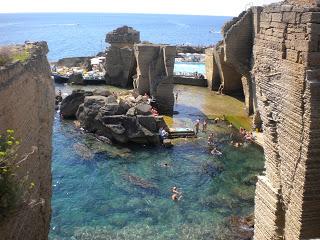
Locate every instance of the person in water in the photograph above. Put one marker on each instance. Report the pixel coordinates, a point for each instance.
(211, 139)
(205, 125)
(216, 152)
(176, 196)
(197, 126)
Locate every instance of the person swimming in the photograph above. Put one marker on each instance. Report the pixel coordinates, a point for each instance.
(216, 152)
(176, 196)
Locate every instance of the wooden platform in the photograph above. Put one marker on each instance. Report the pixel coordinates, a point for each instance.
(181, 133)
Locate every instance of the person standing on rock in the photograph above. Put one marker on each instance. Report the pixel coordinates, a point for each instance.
(177, 94)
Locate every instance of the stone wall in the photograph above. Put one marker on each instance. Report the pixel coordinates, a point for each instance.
(286, 74)
(27, 106)
(276, 52)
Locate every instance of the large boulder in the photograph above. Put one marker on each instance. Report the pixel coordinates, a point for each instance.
(69, 105)
(106, 117)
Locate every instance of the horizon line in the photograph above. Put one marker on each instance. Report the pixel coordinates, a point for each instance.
(179, 14)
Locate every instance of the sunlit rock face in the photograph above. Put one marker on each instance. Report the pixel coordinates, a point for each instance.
(155, 64)
(27, 107)
(120, 60)
(275, 50)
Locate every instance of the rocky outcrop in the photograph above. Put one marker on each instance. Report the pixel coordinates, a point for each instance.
(69, 105)
(82, 62)
(122, 119)
(120, 60)
(27, 106)
(147, 67)
(155, 64)
(212, 73)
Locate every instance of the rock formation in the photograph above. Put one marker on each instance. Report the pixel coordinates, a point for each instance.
(122, 119)
(275, 50)
(148, 67)
(120, 60)
(27, 106)
(212, 73)
(155, 65)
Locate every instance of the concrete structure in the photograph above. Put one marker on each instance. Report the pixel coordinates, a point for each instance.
(27, 106)
(276, 52)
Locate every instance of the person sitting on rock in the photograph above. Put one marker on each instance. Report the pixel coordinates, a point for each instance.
(154, 112)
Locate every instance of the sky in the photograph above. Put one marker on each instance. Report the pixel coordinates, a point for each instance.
(192, 7)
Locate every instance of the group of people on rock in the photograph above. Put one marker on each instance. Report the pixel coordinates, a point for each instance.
(248, 136)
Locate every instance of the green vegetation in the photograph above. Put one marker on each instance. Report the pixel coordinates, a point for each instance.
(10, 54)
(13, 191)
(21, 55)
(239, 121)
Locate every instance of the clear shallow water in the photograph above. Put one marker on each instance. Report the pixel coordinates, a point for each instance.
(124, 192)
(76, 34)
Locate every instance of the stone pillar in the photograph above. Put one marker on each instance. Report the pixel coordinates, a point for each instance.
(212, 73)
(120, 60)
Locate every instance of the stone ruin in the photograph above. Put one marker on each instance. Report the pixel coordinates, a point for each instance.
(146, 67)
(275, 51)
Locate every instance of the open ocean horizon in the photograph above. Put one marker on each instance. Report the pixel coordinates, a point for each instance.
(83, 34)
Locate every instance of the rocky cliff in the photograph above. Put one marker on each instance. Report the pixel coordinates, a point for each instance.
(276, 52)
(27, 106)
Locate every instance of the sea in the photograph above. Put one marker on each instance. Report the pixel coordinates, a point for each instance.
(83, 34)
(103, 191)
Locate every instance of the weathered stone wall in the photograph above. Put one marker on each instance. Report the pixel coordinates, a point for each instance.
(27, 106)
(286, 74)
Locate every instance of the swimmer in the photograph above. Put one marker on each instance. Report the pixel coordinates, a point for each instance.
(216, 152)
(175, 190)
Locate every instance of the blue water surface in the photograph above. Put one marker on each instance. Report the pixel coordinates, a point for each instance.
(83, 34)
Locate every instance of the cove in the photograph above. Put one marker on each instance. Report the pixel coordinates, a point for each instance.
(123, 192)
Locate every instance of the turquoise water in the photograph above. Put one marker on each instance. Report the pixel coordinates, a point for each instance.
(108, 192)
(190, 68)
